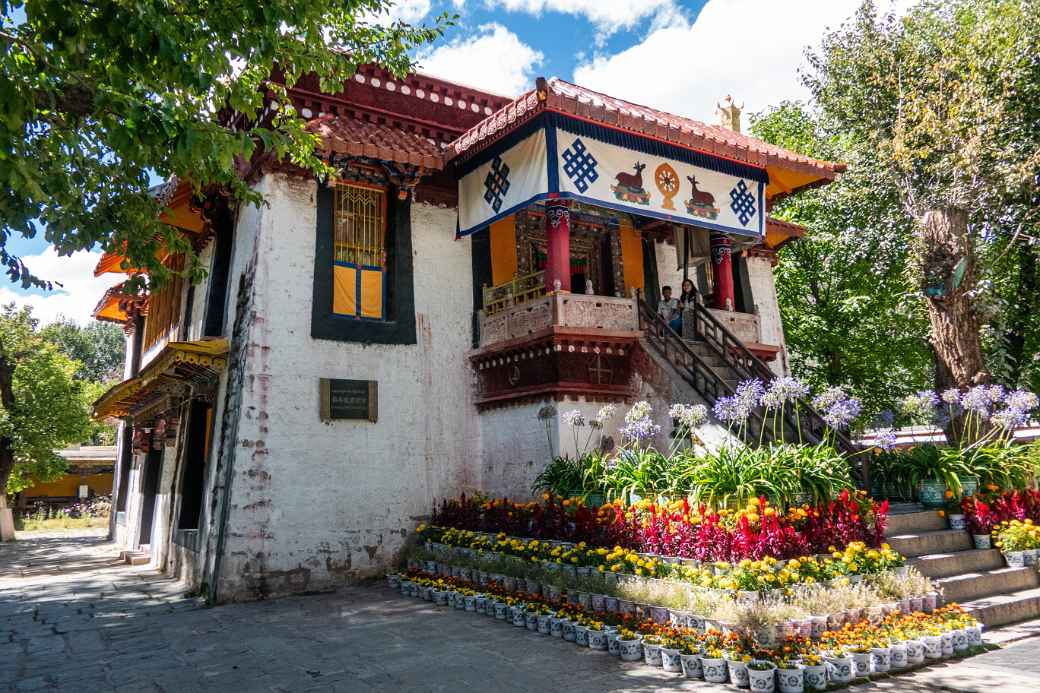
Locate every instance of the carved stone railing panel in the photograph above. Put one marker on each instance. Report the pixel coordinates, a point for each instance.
(562, 310)
(744, 326)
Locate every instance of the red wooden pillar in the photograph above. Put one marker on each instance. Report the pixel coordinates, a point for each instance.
(558, 235)
(722, 262)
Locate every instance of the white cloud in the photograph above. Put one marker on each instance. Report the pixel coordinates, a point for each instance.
(80, 290)
(407, 11)
(751, 49)
(607, 15)
(493, 59)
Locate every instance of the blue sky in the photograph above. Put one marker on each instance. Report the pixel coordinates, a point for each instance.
(681, 56)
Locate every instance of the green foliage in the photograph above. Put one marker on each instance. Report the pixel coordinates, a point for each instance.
(42, 406)
(850, 317)
(946, 102)
(95, 95)
(99, 348)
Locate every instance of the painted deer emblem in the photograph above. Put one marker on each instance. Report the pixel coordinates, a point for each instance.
(632, 181)
(699, 197)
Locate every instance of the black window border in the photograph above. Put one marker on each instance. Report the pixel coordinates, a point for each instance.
(343, 328)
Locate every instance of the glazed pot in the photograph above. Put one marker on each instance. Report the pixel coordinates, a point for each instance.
(880, 659)
(931, 493)
(598, 640)
(613, 645)
(691, 666)
(974, 634)
(960, 640)
(861, 663)
(568, 630)
(1015, 559)
(555, 627)
(630, 650)
(932, 647)
(762, 680)
(581, 635)
(738, 673)
(789, 680)
(815, 677)
(914, 652)
(840, 669)
(957, 521)
(519, 617)
(652, 654)
(982, 541)
(670, 660)
(897, 655)
(714, 670)
(531, 621)
(543, 624)
(946, 643)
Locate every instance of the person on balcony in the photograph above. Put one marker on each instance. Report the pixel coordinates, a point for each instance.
(668, 309)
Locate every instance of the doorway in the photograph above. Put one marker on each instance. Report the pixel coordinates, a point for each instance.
(149, 489)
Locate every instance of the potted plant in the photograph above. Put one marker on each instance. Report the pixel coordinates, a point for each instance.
(690, 657)
(814, 671)
(762, 675)
(933, 471)
(630, 645)
(980, 521)
(713, 663)
(652, 650)
(671, 649)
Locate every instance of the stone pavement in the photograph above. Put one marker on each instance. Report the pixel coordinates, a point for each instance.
(73, 618)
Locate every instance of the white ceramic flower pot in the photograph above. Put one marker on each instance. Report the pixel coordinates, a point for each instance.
(960, 640)
(738, 673)
(932, 647)
(652, 655)
(946, 643)
(543, 624)
(631, 650)
(914, 652)
(761, 680)
(789, 680)
(568, 630)
(714, 670)
(691, 666)
(880, 659)
(815, 677)
(531, 621)
(897, 658)
(581, 635)
(974, 634)
(598, 640)
(1015, 559)
(840, 669)
(861, 663)
(670, 660)
(518, 617)
(613, 644)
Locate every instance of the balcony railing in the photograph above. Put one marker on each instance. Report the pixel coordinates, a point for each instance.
(583, 311)
(514, 292)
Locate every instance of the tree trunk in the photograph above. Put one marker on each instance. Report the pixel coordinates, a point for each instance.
(7, 402)
(945, 244)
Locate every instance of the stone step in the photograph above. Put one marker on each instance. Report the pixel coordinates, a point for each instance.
(1002, 609)
(924, 543)
(135, 557)
(941, 565)
(914, 522)
(967, 586)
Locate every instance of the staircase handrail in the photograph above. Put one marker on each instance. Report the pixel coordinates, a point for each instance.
(701, 376)
(750, 366)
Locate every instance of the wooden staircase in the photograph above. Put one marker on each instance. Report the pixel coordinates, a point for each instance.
(716, 362)
(977, 579)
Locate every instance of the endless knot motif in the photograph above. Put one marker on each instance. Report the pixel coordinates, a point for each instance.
(580, 165)
(496, 184)
(742, 202)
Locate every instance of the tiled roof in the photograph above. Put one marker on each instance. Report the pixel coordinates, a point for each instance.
(563, 97)
(355, 137)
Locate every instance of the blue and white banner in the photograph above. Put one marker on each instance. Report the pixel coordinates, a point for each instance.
(508, 182)
(613, 176)
(558, 157)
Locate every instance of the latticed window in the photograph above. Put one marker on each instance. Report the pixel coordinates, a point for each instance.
(359, 251)
(164, 306)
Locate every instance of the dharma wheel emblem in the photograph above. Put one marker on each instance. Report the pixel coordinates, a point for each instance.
(667, 182)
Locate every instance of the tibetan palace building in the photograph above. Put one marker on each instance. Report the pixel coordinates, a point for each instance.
(365, 346)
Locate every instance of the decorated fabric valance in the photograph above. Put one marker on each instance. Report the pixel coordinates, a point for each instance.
(561, 157)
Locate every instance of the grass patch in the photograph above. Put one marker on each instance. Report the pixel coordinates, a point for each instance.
(30, 524)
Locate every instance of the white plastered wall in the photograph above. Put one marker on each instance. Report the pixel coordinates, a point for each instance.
(313, 503)
(763, 288)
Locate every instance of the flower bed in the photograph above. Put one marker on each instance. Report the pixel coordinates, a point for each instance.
(769, 593)
(880, 643)
(755, 531)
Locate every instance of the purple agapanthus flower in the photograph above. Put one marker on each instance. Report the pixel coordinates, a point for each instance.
(920, 404)
(731, 409)
(978, 400)
(783, 389)
(1021, 400)
(750, 392)
(842, 413)
(886, 440)
(951, 396)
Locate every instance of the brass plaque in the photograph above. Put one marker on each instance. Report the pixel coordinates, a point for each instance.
(349, 399)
